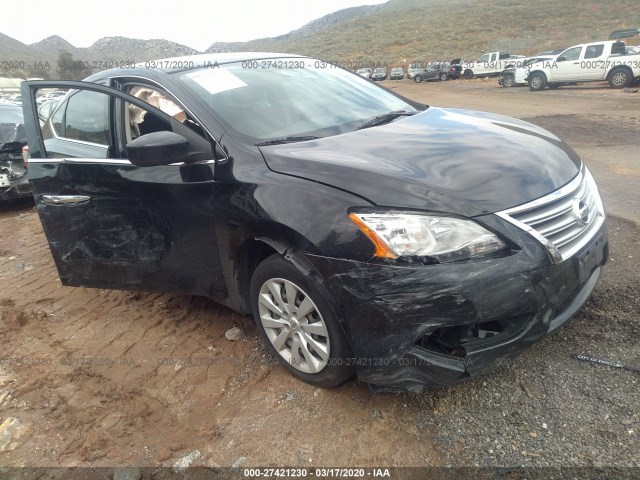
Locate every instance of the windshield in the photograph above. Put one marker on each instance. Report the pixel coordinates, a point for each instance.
(268, 99)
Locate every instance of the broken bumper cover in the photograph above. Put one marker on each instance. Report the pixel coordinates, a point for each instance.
(14, 182)
(412, 326)
(14, 186)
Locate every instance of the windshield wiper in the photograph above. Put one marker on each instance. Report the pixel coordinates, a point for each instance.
(280, 141)
(385, 118)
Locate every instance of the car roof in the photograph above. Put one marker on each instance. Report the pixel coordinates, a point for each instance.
(188, 62)
(173, 64)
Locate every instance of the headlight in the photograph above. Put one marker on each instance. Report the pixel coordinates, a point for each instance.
(406, 234)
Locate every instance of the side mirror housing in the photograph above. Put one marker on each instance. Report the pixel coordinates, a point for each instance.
(158, 148)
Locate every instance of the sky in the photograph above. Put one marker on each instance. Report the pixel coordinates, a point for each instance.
(196, 25)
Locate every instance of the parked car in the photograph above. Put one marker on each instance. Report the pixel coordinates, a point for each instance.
(14, 98)
(433, 73)
(587, 62)
(366, 233)
(396, 73)
(488, 65)
(365, 72)
(454, 70)
(379, 74)
(517, 72)
(14, 182)
(415, 67)
(624, 33)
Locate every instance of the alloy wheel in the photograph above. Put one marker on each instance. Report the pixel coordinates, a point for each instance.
(294, 325)
(619, 78)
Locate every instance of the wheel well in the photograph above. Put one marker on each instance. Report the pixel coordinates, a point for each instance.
(250, 255)
(620, 67)
(537, 71)
(253, 252)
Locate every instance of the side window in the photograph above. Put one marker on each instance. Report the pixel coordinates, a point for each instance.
(79, 127)
(618, 48)
(494, 57)
(84, 117)
(504, 56)
(594, 51)
(570, 55)
(139, 121)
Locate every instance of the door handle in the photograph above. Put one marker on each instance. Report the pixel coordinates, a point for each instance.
(65, 199)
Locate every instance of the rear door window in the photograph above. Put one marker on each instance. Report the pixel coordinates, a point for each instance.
(84, 117)
(593, 51)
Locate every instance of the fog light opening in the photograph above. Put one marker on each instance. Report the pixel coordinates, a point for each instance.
(489, 329)
(452, 341)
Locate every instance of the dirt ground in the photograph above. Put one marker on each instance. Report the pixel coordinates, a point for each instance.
(103, 378)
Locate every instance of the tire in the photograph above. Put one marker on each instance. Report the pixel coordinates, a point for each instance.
(444, 76)
(537, 81)
(313, 348)
(508, 81)
(417, 78)
(468, 74)
(620, 78)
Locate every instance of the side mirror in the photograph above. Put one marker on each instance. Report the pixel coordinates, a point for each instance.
(158, 148)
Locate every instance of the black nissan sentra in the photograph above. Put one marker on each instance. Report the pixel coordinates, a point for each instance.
(366, 233)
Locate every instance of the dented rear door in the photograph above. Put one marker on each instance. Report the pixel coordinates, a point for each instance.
(109, 223)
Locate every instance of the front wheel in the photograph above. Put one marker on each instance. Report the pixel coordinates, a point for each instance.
(537, 81)
(444, 76)
(508, 81)
(468, 74)
(417, 79)
(295, 319)
(620, 78)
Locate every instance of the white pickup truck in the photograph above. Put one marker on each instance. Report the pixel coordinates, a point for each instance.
(488, 65)
(588, 62)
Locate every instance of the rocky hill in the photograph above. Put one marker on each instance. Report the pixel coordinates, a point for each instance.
(393, 33)
(54, 44)
(403, 30)
(40, 59)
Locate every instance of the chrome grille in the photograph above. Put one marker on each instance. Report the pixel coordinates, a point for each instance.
(565, 220)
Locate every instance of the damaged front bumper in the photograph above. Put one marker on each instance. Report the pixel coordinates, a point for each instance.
(412, 326)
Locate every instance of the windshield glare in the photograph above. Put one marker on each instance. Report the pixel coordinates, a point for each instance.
(300, 99)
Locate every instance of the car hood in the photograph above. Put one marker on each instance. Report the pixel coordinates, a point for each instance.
(447, 160)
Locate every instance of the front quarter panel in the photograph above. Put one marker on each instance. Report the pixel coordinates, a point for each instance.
(252, 200)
